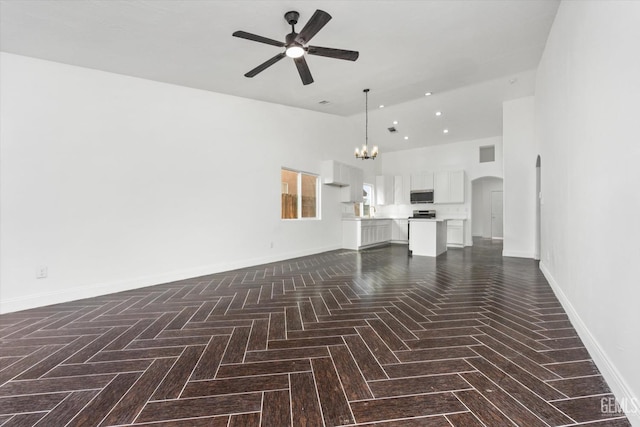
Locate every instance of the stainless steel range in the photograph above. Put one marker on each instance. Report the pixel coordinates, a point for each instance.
(424, 214)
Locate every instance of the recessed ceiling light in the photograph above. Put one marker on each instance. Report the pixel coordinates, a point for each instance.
(428, 94)
(438, 113)
(395, 122)
(445, 131)
(381, 106)
(406, 137)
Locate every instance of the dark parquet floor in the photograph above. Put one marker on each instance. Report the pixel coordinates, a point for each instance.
(342, 338)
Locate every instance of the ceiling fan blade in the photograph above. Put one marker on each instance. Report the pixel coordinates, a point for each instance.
(318, 20)
(303, 70)
(349, 55)
(256, 38)
(265, 65)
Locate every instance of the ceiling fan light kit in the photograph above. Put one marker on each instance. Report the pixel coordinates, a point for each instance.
(295, 45)
(364, 152)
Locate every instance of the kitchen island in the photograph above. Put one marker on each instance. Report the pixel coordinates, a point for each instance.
(427, 236)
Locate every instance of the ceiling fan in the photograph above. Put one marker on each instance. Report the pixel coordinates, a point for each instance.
(295, 45)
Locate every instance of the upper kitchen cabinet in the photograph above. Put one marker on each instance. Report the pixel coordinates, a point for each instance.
(385, 190)
(335, 173)
(402, 188)
(342, 175)
(354, 192)
(448, 187)
(422, 181)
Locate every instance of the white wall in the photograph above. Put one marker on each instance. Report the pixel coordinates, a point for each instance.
(454, 156)
(520, 154)
(115, 182)
(587, 105)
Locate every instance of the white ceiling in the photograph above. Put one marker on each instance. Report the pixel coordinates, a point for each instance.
(468, 53)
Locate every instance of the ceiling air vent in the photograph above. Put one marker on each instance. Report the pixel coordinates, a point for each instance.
(392, 129)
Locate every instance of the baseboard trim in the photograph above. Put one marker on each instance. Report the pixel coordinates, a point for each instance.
(517, 254)
(616, 382)
(98, 289)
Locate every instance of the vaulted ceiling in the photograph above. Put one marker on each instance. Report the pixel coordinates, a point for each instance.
(471, 55)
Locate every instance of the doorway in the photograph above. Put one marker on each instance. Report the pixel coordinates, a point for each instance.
(481, 207)
(497, 225)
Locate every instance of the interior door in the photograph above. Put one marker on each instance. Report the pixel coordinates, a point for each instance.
(496, 215)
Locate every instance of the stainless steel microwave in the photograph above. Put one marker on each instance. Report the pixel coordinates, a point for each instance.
(421, 196)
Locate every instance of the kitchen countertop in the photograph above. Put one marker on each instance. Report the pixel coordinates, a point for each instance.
(429, 219)
(369, 219)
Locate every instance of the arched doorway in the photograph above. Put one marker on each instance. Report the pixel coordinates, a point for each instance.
(538, 207)
(486, 207)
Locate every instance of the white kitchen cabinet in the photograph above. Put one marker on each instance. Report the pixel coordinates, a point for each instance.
(335, 173)
(448, 187)
(385, 190)
(455, 233)
(422, 181)
(400, 231)
(358, 234)
(402, 188)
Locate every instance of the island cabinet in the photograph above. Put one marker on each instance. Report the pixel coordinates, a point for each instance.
(448, 187)
(427, 237)
(364, 233)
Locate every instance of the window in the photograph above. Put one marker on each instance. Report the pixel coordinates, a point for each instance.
(299, 195)
(367, 199)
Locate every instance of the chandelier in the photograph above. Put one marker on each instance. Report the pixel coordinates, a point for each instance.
(364, 152)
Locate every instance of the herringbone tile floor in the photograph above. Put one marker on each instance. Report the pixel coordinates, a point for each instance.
(341, 338)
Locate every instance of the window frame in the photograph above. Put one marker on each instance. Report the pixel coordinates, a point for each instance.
(299, 173)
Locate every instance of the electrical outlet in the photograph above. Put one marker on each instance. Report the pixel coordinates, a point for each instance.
(41, 272)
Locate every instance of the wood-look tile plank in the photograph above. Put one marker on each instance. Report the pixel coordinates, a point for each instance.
(53, 385)
(175, 380)
(468, 419)
(67, 409)
(354, 384)
(581, 386)
(590, 408)
(127, 409)
(235, 385)
(276, 408)
(263, 368)
(285, 354)
(99, 368)
(377, 346)
(417, 385)
(367, 362)
(200, 407)
(414, 369)
(483, 409)
(403, 407)
(335, 408)
(210, 360)
(305, 408)
(251, 419)
(27, 403)
(235, 350)
(516, 410)
(93, 413)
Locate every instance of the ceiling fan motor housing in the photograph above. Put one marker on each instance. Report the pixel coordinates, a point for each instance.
(292, 17)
